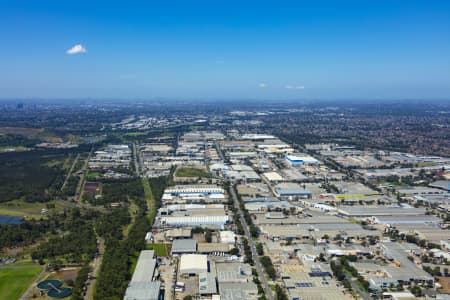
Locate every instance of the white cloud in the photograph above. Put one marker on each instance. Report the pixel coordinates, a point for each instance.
(77, 49)
(262, 85)
(294, 87)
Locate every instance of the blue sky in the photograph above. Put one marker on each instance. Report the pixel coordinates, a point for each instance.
(225, 49)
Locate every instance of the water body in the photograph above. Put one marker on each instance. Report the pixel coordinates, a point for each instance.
(10, 220)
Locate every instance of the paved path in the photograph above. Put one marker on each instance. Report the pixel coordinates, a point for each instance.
(137, 165)
(96, 263)
(255, 257)
(81, 182)
(70, 172)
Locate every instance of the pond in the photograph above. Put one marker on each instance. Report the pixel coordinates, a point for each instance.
(10, 220)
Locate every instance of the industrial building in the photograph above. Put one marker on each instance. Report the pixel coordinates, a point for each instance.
(180, 190)
(227, 237)
(193, 264)
(404, 272)
(182, 246)
(194, 194)
(375, 211)
(291, 190)
(298, 160)
(143, 285)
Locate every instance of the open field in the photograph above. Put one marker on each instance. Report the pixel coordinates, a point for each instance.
(136, 133)
(13, 148)
(192, 172)
(92, 175)
(31, 133)
(20, 208)
(160, 249)
(14, 281)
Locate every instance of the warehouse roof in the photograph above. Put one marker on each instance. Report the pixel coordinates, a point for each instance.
(233, 272)
(143, 291)
(419, 219)
(145, 267)
(214, 247)
(291, 191)
(184, 246)
(190, 262)
(241, 290)
(207, 284)
(380, 211)
(273, 176)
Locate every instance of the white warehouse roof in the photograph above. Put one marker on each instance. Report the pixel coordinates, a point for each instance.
(193, 264)
(273, 176)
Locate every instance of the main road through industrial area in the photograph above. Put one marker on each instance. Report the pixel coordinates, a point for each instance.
(258, 265)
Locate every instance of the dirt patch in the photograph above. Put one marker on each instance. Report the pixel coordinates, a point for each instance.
(66, 274)
(91, 188)
(199, 237)
(445, 283)
(20, 252)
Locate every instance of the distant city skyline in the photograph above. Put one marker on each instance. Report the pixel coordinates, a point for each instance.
(225, 50)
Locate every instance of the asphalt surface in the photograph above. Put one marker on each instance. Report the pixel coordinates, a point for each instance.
(70, 172)
(80, 187)
(255, 257)
(96, 263)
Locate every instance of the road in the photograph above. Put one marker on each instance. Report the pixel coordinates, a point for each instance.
(83, 174)
(96, 263)
(70, 171)
(255, 257)
(219, 151)
(136, 160)
(356, 287)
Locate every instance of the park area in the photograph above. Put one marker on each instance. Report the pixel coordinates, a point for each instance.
(14, 280)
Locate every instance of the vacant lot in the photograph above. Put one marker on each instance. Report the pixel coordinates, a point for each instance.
(445, 283)
(15, 280)
(31, 133)
(20, 208)
(192, 172)
(160, 249)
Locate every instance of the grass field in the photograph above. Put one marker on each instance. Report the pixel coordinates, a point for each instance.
(136, 133)
(20, 208)
(14, 281)
(150, 200)
(13, 148)
(160, 249)
(192, 172)
(93, 175)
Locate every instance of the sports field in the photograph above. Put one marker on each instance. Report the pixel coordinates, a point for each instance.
(14, 280)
